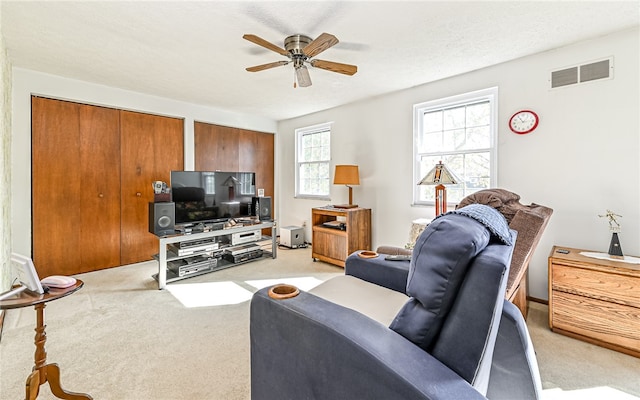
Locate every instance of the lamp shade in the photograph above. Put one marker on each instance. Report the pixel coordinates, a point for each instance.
(440, 174)
(346, 175)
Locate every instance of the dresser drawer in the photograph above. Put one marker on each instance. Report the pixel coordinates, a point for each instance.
(607, 322)
(620, 289)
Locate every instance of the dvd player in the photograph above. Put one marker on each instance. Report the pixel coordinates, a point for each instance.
(237, 250)
(203, 248)
(195, 243)
(192, 265)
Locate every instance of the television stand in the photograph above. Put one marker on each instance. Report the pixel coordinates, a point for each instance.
(195, 262)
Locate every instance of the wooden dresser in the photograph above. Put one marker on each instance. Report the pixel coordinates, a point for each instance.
(595, 300)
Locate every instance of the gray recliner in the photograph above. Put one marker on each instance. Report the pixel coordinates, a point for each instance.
(350, 338)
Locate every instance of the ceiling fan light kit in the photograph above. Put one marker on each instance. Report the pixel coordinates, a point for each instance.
(300, 49)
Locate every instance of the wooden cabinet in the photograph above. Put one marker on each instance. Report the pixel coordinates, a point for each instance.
(338, 232)
(75, 187)
(215, 148)
(595, 300)
(221, 148)
(152, 146)
(92, 169)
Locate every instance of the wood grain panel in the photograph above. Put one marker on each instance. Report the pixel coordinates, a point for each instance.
(100, 194)
(222, 148)
(601, 320)
(331, 245)
(359, 224)
(75, 187)
(55, 184)
(599, 285)
(152, 146)
(216, 148)
(263, 162)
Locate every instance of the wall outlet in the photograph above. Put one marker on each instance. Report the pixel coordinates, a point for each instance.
(260, 192)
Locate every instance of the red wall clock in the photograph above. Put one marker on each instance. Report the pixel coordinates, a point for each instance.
(524, 121)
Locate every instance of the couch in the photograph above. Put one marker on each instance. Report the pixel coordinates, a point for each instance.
(448, 334)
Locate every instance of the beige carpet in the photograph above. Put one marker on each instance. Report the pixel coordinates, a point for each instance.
(120, 338)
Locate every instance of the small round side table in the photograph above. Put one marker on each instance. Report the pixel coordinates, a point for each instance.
(43, 372)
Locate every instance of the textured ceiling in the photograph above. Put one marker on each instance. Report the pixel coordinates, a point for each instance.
(194, 51)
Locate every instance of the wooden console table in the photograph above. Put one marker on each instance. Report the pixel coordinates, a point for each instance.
(334, 244)
(43, 372)
(595, 300)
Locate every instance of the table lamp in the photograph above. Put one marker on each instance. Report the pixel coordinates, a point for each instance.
(438, 176)
(347, 175)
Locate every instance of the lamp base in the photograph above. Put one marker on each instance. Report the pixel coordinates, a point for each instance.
(345, 206)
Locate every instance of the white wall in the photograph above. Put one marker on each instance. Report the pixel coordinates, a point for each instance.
(5, 166)
(582, 159)
(26, 83)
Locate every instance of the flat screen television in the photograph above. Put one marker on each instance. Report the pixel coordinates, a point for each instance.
(211, 196)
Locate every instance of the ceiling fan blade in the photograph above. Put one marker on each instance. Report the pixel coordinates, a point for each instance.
(262, 67)
(320, 44)
(267, 45)
(340, 68)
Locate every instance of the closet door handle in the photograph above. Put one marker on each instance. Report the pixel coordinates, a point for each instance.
(138, 194)
(101, 195)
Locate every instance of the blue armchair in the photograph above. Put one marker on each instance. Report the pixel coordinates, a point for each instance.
(449, 334)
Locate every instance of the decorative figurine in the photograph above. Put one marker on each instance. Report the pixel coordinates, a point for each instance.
(615, 250)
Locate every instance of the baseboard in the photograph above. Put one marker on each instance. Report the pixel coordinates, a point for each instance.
(537, 300)
(1, 323)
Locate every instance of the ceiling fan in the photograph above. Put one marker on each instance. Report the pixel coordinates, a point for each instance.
(301, 49)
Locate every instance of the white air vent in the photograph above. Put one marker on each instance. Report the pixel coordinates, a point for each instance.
(602, 69)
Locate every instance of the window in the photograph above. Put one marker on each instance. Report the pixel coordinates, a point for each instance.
(209, 182)
(247, 183)
(460, 131)
(313, 154)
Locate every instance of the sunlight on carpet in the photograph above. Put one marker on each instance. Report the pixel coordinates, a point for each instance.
(302, 283)
(209, 294)
(596, 393)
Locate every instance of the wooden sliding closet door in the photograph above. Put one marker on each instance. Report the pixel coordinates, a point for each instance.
(75, 187)
(232, 149)
(256, 153)
(152, 146)
(216, 148)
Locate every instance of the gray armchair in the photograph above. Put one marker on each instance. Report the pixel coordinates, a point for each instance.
(349, 338)
(529, 221)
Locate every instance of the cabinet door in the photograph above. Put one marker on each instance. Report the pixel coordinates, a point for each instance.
(151, 147)
(75, 187)
(216, 148)
(220, 148)
(256, 154)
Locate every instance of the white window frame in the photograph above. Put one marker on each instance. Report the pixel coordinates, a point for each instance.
(489, 94)
(300, 132)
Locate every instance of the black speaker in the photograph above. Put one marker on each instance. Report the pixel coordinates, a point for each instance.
(162, 218)
(261, 208)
